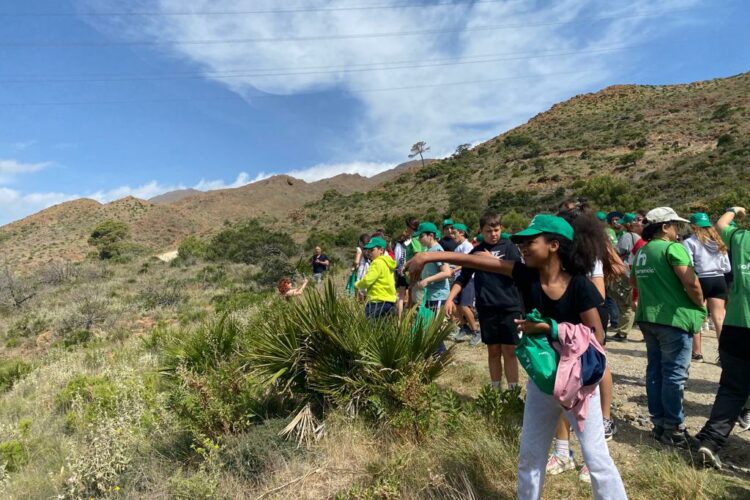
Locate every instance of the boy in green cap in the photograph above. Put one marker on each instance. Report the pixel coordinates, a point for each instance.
(434, 278)
(379, 281)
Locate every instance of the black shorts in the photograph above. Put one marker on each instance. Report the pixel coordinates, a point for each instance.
(401, 281)
(498, 326)
(714, 287)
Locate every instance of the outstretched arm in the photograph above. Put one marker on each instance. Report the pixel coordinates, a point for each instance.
(478, 261)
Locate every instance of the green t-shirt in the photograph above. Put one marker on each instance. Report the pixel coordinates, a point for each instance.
(414, 248)
(612, 235)
(662, 299)
(738, 303)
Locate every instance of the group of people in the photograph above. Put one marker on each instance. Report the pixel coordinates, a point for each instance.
(578, 267)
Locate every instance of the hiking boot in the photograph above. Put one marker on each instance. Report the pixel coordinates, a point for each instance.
(698, 358)
(557, 465)
(584, 475)
(462, 335)
(475, 339)
(610, 428)
(709, 457)
(743, 421)
(657, 432)
(619, 338)
(679, 438)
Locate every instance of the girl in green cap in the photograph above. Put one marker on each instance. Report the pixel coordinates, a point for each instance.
(711, 260)
(552, 279)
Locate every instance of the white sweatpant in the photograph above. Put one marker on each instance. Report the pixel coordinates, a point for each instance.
(539, 422)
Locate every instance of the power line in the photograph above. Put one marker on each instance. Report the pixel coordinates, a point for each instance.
(268, 96)
(414, 64)
(349, 36)
(468, 3)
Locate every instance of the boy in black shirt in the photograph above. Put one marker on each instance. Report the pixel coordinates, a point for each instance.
(497, 302)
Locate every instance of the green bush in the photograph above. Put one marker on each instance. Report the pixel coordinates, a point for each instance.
(13, 455)
(169, 294)
(191, 249)
(98, 396)
(12, 370)
(235, 300)
(209, 386)
(76, 337)
(609, 192)
(249, 243)
(322, 349)
(109, 237)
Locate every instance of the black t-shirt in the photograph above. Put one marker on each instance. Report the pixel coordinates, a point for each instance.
(318, 267)
(492, 289)
(736, 341)
(581, 295)
(448, 244)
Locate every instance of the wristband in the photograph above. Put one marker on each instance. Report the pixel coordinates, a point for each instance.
(731, 209)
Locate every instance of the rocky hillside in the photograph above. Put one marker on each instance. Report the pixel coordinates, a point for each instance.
(626, 147)
(61, 232)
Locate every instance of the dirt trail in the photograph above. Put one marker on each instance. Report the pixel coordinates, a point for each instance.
(628, 363)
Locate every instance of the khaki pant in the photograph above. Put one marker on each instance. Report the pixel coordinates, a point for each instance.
(622, 293)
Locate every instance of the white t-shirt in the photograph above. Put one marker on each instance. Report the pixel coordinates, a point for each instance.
(598, 271)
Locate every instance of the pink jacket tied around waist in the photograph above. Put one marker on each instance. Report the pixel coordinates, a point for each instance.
(569, 391)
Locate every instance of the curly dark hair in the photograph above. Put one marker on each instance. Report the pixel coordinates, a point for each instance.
(589, 243)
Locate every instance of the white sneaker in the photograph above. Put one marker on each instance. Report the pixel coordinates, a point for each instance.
(557, 465)
(584, 474)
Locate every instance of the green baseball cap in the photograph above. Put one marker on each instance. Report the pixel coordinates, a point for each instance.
(461, 227)
(426, 227)
(602, 216)
(480, 238)
(628, 218)
(545, 223)
(700, 219)
(448, 222)
(505, 236)
(376, 242)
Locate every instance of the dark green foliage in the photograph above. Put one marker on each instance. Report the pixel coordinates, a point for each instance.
(724, 141)
(250, 454)
(210, 388)
(722, 112)
(250, 243)
(14, 455)
(522, 201)
(503, 411)
(12, 370)
(98, 396)
(28, 325)
(607, 192)
(109, 238)
(322, 349)
(630, 159)
(191, 249)
(76, 337)
(464, 204)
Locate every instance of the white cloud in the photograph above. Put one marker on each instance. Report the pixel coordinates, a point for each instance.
(242, 179)
(16, 205)
(13, 167)
(444, 116)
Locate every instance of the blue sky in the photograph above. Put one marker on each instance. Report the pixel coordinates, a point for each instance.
(213, 94)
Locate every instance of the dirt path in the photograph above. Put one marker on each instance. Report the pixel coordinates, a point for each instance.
(628, 363)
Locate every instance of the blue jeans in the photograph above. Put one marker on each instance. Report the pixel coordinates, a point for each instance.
(376, 310)
(668, 352)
